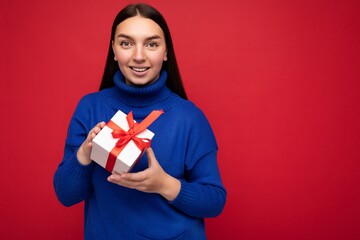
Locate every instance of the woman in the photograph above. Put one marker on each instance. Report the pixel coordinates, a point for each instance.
(177, 182)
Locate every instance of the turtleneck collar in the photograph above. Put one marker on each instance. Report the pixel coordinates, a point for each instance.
(141, 100)
(142, 96)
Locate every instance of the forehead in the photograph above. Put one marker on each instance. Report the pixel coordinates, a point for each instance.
(139, 26)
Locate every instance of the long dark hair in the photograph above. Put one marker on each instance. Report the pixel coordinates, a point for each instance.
(173, 82)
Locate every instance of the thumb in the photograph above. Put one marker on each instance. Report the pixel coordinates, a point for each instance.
(151, 156)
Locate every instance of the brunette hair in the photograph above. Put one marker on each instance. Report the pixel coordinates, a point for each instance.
(173, 82)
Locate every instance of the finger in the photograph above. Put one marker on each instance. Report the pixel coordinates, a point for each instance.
(98, 127)
(93, 132)
(120, 180)
(102, 124)
(114, 177)
(151, 157)
(134, 177)
(90, 136)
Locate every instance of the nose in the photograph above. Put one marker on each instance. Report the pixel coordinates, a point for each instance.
(139, 54)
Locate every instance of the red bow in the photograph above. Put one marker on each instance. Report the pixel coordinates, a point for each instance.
(126, 136)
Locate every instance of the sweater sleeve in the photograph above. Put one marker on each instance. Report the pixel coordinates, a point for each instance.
(72, 181)
(202, 193)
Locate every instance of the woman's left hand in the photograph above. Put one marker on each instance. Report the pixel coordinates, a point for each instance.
(152, 180)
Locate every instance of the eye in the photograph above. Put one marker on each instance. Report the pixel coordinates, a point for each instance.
(125, 44)
(152, 45)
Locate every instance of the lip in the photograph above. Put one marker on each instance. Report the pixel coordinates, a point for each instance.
(139, 69)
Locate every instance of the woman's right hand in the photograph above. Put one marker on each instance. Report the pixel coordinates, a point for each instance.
(83, 154)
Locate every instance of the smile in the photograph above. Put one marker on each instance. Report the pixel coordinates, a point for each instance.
(139, 69)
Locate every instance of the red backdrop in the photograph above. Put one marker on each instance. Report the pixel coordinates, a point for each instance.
(278, 80)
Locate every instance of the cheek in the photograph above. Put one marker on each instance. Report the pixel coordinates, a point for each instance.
(158, 58)
(122, 57)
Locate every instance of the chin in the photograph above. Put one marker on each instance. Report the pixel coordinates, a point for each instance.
(138, 83)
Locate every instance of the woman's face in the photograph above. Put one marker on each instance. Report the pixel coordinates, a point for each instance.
(140, 49)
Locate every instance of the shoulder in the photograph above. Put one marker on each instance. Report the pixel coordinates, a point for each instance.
(199, 132)
(90, 107)
(95, 102)
(91, 98)
(189, 117)
(188, 111)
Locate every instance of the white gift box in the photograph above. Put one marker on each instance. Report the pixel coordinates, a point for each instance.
(103, 143)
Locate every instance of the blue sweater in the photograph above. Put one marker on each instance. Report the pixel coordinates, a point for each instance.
(185, 147)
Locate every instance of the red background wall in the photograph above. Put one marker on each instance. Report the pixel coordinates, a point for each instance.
(278, 80)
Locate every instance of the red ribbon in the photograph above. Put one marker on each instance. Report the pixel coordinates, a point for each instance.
(126, 136)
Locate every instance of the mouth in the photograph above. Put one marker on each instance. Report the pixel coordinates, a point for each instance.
(139, 69)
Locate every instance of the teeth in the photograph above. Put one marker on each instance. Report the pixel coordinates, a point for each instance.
(138, 69)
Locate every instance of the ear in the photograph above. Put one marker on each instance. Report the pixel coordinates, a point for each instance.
(165, 57)
(112, 45)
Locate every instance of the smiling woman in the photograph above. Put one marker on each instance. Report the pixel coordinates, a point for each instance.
(177, 182)
(151, 15)
(140, 49)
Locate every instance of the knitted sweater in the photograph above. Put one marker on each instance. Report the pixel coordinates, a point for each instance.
(184, 146)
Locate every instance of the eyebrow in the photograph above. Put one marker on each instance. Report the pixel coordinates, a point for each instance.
(129, 37)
